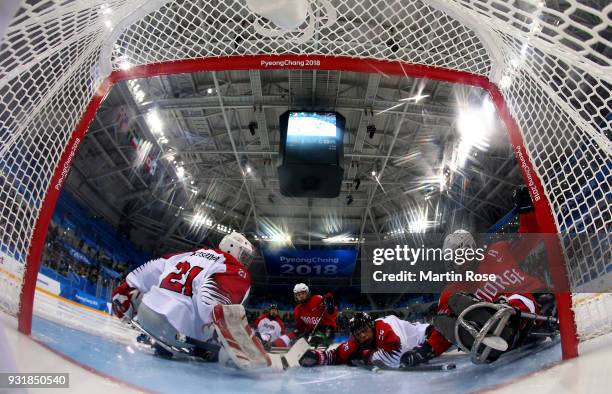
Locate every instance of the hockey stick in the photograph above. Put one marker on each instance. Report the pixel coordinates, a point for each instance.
(378, 367)
(533, 316)
(316, 325)
(430, 367)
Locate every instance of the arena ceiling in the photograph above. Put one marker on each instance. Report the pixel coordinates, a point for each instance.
(214, 173)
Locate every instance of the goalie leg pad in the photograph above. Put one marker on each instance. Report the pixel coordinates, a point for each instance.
(238, 339)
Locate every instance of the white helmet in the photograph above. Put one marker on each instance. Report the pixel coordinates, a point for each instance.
(460, 239)
(300, 287)
(238, 246)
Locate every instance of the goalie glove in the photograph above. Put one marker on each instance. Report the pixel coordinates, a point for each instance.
(122, 299)
(419, 355)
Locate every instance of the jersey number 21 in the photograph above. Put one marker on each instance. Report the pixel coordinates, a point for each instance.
(174, 280)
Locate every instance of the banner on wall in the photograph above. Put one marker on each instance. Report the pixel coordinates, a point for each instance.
(48, 284)
(78, 256)
(310, 262)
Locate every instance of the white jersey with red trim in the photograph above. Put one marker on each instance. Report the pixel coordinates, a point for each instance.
(269, 329)
(410, 336)
(185, 287)
(392, 338)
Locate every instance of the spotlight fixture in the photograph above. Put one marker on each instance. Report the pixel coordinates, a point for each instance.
(349, 199)
(371, 129)
(375, 168)
(252, 127)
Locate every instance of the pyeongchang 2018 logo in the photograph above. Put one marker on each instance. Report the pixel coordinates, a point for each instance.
(67, 163)
(534, 190)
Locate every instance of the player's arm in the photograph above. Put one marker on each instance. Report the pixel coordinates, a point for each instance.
(257, 321)
(388, 351)
(137, 282)
(226, 288)
(329, 304)
(300, 326)
(434, 345)
(342, 354)
(147, 275)
(523, 302)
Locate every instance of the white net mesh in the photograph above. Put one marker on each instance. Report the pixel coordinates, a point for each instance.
(552, 63)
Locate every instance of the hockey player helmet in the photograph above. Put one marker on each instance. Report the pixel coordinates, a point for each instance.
(459, 239)
(271, 308)
(239, 247)
(360, 321)
(300, 288)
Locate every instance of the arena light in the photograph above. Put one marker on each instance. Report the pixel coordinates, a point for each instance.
(105, 9)
(474, 126)
(180, 172)
(154, 121)
(340, 239)
(416, 98)
(281, 238)
(200, 219)
(126, 65)
(418, 226)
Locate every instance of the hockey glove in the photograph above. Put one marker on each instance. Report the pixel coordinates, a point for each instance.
(122, 299)
(418, 355)
(313, 358)
(317, 339)
(328, 301)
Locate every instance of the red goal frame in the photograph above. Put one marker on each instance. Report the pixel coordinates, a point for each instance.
(543, 211)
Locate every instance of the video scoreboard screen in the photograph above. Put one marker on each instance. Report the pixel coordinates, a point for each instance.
(313, 138)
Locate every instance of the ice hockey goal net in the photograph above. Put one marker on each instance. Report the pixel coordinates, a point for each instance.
(546, 64)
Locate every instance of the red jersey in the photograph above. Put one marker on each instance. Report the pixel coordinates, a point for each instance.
(307, 315)
(502, 259)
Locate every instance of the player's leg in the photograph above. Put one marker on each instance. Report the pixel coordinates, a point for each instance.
(159, 328)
